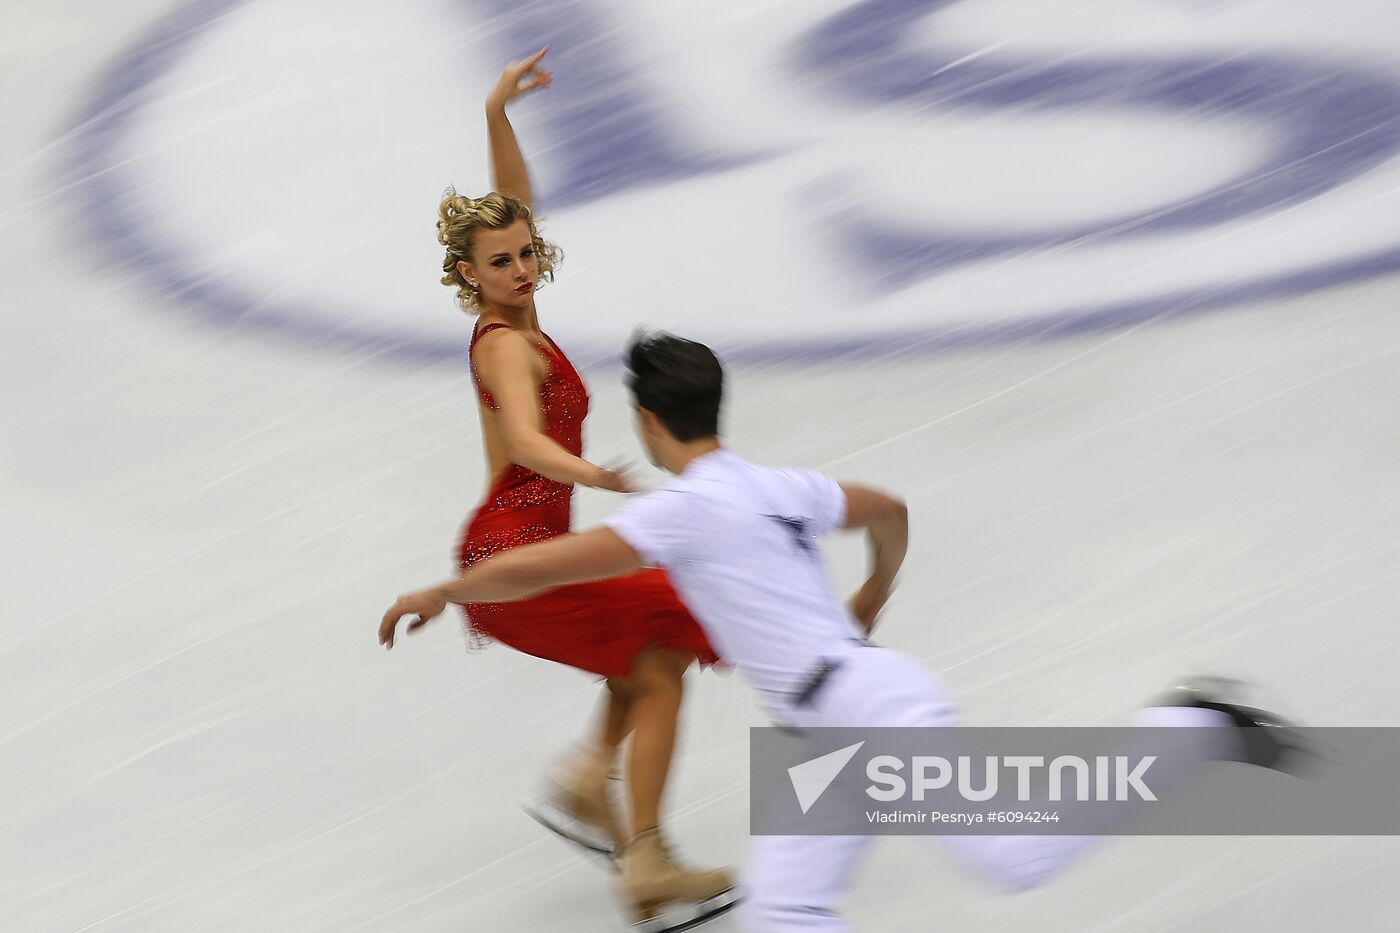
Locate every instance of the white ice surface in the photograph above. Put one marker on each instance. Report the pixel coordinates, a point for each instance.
(201, 525)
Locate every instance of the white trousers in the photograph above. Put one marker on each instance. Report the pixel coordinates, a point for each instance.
(799, 882)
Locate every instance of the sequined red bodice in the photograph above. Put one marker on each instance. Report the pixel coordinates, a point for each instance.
(563, 405)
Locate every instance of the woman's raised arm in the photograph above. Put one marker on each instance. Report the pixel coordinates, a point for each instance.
(508, 172)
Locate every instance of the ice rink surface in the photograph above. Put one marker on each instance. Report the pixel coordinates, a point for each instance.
(1106, 290)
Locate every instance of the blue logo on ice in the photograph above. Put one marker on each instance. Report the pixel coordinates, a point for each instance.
(1292, 186)
(811, 778)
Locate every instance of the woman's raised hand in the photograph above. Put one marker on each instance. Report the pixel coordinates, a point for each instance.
(520, 78)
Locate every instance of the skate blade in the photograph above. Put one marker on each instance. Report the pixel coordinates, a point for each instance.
(1213, 686)
(567, 826)
(678, 917)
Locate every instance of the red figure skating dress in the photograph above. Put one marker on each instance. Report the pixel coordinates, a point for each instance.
(599, 626)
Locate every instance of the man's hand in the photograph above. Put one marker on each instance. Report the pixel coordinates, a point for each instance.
(868, 603)
(426, 605)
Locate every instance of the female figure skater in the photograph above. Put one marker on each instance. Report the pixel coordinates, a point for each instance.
(633, 631)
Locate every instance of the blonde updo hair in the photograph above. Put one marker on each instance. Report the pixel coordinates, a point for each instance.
(460, 217)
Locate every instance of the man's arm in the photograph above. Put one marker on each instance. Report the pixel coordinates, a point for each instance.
(520, 572)
(886, 523)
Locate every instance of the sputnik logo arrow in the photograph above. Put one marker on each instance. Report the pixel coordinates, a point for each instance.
(811, 778)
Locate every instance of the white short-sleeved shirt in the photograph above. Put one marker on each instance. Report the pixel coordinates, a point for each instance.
(740, 543)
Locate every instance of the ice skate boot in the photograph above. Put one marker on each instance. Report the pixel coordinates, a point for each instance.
(578, 803)
(666, 896)
(1266, 739)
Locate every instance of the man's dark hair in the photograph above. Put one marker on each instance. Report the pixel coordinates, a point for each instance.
(678, 380)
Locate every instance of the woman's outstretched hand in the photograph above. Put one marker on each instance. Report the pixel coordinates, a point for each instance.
(424, 606)
(519, 78)
(614, 479)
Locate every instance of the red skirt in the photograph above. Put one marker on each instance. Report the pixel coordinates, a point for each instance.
(599, 626)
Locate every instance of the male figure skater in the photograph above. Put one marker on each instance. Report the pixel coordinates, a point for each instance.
(740, 543)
